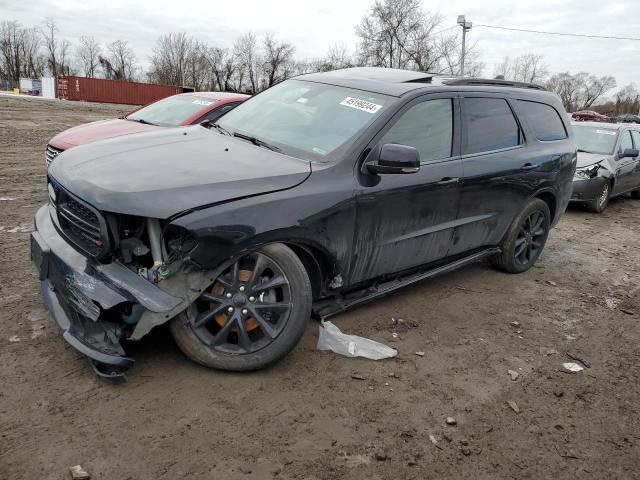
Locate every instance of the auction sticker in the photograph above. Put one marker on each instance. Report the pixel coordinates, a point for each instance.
(361, 104)
(606, 132)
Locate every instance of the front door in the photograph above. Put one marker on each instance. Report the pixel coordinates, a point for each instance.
(625, 166)
(635, 182)
(403, 221)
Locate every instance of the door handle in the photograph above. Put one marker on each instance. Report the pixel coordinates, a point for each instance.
(448, 180)
(530, 166)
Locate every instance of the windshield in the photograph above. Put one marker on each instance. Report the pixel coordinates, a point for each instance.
(172, 111)
(594, 139)
(304, 118)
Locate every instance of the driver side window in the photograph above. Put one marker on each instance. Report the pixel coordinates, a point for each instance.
(427, 126)
(625, 141)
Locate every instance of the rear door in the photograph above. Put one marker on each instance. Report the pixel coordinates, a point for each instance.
(497, 171)
(404, 221)
(626, 167)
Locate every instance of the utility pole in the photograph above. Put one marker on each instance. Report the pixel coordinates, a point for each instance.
(466, 26)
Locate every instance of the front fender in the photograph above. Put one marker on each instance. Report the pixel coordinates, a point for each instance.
(323, 221)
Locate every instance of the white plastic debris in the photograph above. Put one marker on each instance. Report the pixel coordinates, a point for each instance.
(331, 338)
(79, 473)
(611, 303)
(572, 367)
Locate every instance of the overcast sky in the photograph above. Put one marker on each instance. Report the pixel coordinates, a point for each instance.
(313, 26)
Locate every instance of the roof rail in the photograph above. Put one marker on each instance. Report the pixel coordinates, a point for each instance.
(493, 82)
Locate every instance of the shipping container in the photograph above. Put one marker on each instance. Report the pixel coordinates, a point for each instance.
(113, 91)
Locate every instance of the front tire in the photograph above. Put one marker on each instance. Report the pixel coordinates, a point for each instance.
(255, 312)
(635, 194)
(601, 201)
(525, 238)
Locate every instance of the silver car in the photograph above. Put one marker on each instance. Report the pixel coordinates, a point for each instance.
(608, 163)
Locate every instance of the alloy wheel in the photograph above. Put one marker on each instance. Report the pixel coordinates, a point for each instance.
(604, 195)
(246, 308)
(530, 239)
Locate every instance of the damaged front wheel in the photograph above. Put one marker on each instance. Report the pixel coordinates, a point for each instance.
(253, 314)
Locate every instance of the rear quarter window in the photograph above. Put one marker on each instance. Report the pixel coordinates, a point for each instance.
(543, 119)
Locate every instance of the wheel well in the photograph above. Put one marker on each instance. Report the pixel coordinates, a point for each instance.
(550, 199)
(316, 264)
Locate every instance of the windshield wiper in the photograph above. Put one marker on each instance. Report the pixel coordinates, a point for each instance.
(257, 141)
(141, 120)
(584, 151)
(207, 124)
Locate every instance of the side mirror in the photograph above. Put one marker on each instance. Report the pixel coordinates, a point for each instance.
(630, 152)
(392, 158)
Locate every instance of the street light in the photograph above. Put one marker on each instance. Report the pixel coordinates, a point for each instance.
(466, 26)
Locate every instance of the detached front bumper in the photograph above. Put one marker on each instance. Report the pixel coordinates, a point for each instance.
(78, 291)
(586, 190)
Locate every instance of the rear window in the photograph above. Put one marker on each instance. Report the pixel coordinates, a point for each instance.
(490, 125)
(543, 119)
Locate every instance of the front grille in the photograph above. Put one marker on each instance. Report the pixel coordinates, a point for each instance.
(51, 153)
(80, 223)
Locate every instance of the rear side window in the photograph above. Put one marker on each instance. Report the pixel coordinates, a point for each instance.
(543, 119)
(428, 127)
(636, 139)
(214, 115)
(490, 125)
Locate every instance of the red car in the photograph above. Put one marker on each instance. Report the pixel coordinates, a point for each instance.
(174, 111)
(589, 116)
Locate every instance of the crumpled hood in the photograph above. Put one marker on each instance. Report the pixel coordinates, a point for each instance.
(168, 171)
(585, 159)
(100, 130)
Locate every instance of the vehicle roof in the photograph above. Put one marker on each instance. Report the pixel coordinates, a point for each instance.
(395, 82)
(218, 95)
(606, 126)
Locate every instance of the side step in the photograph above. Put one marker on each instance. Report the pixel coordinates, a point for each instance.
(332, 306)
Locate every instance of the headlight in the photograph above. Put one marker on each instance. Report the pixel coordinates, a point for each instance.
(586, 173)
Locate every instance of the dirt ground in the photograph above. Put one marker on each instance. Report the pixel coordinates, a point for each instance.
(307, 418)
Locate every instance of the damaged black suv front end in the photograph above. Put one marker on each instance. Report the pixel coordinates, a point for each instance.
(113, 258)
(99, 276)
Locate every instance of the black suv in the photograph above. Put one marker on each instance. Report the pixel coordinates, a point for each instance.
(318, 194)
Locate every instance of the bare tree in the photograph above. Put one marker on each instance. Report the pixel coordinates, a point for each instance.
(169, 58)
(11, 41)
(337, 57)
(581, 90)
(449, 59)
(529, 68)
(596, 87)
(57, 49)
(88, 56)
(390, 32)
(278, 60)
(197, 69)
(400, 34)
(627, 100)
(120, 62)
(249, 59)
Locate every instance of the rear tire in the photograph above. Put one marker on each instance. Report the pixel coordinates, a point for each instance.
(599, 204)
(525, 239)
(237, 324)
(635, 194)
